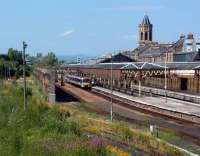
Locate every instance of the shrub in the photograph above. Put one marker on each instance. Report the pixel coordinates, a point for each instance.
(124, 131)
(127, 133)
(28, 91)
(173, 151)
(43, 107)
(55, 125)
(61, 113)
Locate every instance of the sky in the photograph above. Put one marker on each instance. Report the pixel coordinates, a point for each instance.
(92, 27)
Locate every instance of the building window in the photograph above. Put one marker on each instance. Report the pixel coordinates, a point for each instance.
(184, 83)
(150, 36)
(141, 36)
(146, 36)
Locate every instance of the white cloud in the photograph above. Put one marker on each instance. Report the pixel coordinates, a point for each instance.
(130, 37)
(67, 33)
(136, 8)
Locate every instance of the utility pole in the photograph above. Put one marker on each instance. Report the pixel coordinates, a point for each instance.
(166, 78)
(24, 74)
(139, 83)
(111, 89)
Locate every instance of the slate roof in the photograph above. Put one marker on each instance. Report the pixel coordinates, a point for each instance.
(198, 67)
(118, 58)
(153, 49)
(140, 66)
(98, 66)
(143, 66)
(187, 57)
(181, 65)
(146, 20)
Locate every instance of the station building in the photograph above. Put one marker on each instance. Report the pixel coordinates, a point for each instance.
(185, 49)
(181, 77)
(148, 64)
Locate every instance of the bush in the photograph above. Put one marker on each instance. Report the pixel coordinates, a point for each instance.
(125, 133)
(28, 91)
(22, 132)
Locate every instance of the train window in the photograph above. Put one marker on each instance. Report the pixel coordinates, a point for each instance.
(86, 80)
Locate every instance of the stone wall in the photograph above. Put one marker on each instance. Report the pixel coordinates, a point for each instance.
(46, 79)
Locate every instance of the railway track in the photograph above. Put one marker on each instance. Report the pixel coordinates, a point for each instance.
(180, 127)
(146, 108)
(101, 102)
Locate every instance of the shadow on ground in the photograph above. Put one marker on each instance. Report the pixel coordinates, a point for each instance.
(61, 96)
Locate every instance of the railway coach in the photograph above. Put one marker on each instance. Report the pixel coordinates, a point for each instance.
(83, 82)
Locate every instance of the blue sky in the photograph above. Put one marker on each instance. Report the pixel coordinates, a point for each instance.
(91, 27)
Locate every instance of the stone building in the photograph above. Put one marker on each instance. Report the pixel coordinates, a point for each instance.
(117, 59)
(191, 44)
(185, 49)
(150, 51)
(151, 65)
(181, 76)
(145, 31)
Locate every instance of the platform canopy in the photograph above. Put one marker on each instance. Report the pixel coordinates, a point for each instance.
(139, 66)
(197, 68)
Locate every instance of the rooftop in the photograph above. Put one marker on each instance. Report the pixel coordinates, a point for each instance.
(146, 20)
(139, 66)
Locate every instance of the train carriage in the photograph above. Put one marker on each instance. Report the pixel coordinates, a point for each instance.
(83, 82)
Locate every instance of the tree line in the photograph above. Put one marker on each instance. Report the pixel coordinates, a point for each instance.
(50, 60)
(11, 64)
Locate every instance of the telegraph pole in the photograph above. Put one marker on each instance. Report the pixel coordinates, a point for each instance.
(24, 74)
(111, 89)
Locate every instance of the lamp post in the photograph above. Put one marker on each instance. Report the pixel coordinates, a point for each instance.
(139, 83)
(166, 78)
(111, 89)
(24, 74)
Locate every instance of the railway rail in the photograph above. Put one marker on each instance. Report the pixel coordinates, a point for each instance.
(101, 102)
(157, 105)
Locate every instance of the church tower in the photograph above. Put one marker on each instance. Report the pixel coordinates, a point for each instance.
(145, 31)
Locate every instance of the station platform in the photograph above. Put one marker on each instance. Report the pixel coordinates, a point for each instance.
(173, 107)
(195, 98)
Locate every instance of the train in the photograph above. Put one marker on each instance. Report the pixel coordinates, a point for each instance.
(81, 81)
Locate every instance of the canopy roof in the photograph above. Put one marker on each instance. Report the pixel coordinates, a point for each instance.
(139, 66)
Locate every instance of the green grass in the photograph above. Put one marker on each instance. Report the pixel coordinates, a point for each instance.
(177, 140)
(45, 130)
(163, 134)
(41, 130)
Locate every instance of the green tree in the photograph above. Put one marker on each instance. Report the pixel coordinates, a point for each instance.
(15, 55)
(50, 60)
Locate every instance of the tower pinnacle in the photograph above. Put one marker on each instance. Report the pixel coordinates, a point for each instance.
(145, 30)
